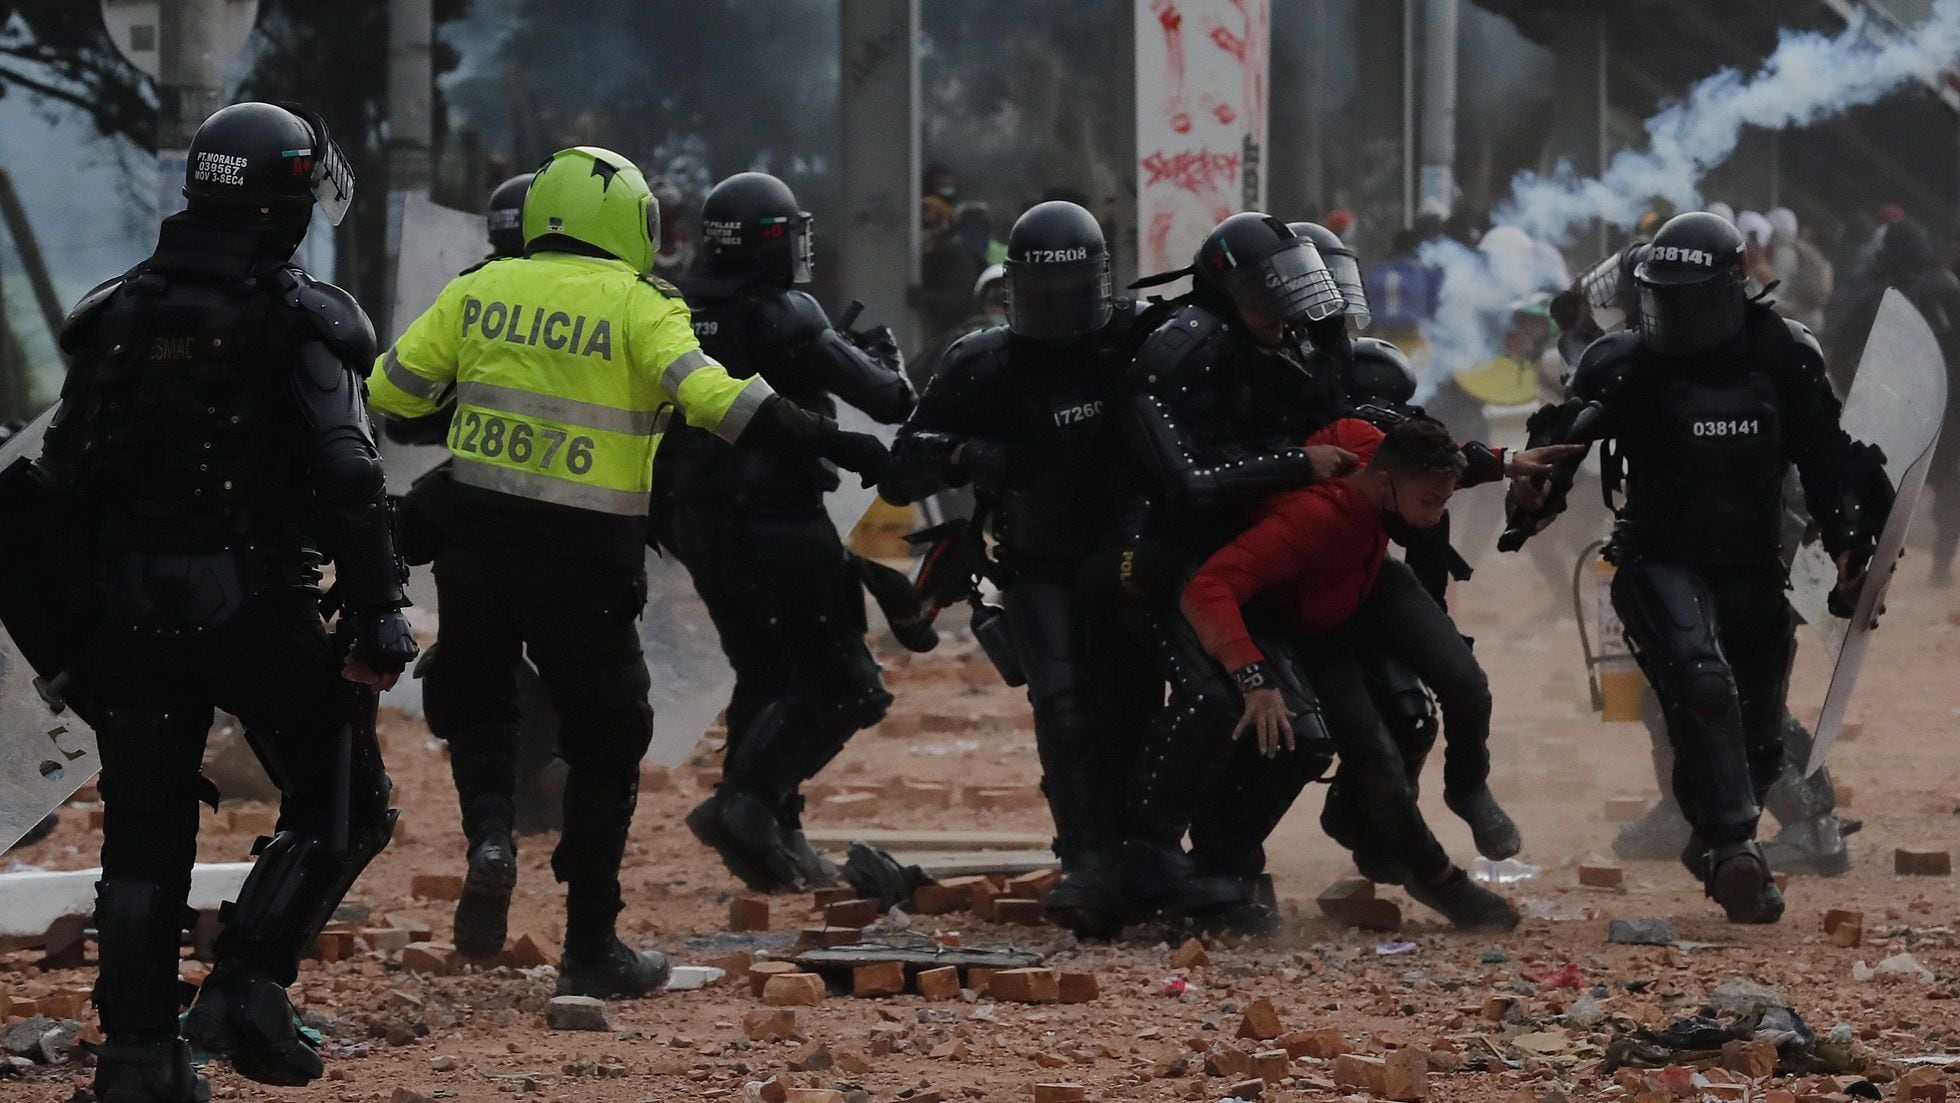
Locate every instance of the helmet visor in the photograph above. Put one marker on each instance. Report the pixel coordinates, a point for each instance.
(1347, 276)
(803, 251)
(1291, 285)
(333, 178)
(1687, 318)
(1056, 302)
(1603, 286)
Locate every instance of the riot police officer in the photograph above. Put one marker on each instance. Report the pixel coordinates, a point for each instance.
(785, 595)
(212, 450)
(1710, 400)
(1220, 404)
(1023, 414)
(565, 366)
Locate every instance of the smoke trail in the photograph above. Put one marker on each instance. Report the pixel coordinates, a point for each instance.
(1809, 77)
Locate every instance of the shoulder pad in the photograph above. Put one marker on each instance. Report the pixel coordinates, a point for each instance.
(1604, 364)
(791, 317)
(661, 285)
(1805, 339)
(334, 316)
(74, 329)
(1169, 351)
(976, 352)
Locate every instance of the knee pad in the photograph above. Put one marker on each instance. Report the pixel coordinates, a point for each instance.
(292, 891)
(1705, 686)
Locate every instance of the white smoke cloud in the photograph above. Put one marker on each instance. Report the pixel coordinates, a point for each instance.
(1809, 77)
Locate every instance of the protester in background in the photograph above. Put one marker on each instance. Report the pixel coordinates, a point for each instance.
(1756, 232)
(1800, 267)
(947, 268)
(1402, 290)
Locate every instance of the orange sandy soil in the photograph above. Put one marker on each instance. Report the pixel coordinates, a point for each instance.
(398, 1035)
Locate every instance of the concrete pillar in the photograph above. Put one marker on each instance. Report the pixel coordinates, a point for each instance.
(1438, 182)
(192, 49)
(1579, 96)
(878, 242)
(411, 88)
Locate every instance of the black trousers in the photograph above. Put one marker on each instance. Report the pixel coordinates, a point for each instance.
(1716, 643)
(575, 620)
(1092, 690)
(273, 667)
(1402, 623)
(788, 604)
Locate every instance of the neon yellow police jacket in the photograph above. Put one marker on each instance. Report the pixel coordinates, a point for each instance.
(564, 370)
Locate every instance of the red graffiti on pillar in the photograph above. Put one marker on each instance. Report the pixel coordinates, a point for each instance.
(1171, 21)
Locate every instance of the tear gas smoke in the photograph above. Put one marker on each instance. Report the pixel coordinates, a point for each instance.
(1809, 77)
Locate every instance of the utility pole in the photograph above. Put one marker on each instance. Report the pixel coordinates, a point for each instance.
(879, 242)
(1439, 25)
(411, 85)
(184, 45)
(191, 54)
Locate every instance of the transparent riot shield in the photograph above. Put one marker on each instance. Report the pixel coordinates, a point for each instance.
(44, 756)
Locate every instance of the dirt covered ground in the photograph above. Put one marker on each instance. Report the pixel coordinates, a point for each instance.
(393, 1033)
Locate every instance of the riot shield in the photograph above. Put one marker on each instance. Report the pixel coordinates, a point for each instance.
(691, 677)
(1897, 401)
(44, 756)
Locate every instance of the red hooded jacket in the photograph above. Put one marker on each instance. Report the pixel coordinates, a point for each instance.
(1312, 553)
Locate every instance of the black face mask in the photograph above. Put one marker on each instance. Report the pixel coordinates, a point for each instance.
(1399, 528)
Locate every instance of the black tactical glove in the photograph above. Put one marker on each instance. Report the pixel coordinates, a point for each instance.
(379, 639)
(880, 344)
(859, 452)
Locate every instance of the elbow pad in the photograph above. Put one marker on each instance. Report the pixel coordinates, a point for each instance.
(854, 375)
(345, 464)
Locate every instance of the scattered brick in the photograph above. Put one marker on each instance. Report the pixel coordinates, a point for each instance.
(734, 965)
(748, 913)
(761, 971)
(426, 957)
(1261, 1021)
(814, 1057)
(531, 950)
(884, 978)
(856, 914)
(1025, 913)
(1750, 1058)
(1406, 1075)
(1625, 809)
(1080, 988)
(1252, 1089)
(1602, 876)
(1036, 885)
(769, 1025)
(950, 895)
(1370, 1074)
(1191, 955)
(436, 886)
(1271, 1065)
(942, 983)
(793, 990)
(1921, 863)
(1326, 1043)
(984, 893)
(824, 898)
(1026, 985)
(1844, 928)
(1060, 1093)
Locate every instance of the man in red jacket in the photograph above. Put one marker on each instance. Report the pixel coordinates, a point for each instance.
(1316, 557)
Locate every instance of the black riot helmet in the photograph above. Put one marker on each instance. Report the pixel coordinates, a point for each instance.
(1057, 273)
(1691, 285)
(266, 161)
(1344, 264)
(1380, 375)
(1266, 272)
(751, 225)
(504, 216)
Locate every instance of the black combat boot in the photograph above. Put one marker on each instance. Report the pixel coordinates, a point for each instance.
(743, 829)
(1088, 900)
(596, 963)
(482, 912)
(1497, 837)
(148, 1072)
(242, 1012)
(1466, 904)
(1739, 880)
(813, 869)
